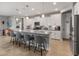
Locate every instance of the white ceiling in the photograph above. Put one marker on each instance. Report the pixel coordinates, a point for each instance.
(9, 8)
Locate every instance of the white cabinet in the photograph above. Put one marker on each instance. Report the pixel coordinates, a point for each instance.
(56, 34)
(76, 9)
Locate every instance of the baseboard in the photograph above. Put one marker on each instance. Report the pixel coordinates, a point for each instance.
(65, 38)
(55, 39)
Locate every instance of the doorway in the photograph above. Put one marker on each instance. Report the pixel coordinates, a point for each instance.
(67, 28)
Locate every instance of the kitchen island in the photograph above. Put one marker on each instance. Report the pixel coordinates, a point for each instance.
(34, 33)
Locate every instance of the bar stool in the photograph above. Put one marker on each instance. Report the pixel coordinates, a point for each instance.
(40, 42)
(28, 38)
(19, 38)
(13, 36)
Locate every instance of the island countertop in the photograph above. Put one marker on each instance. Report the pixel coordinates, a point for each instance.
(35, 31)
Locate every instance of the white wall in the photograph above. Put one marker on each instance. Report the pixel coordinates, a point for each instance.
(5, 19)
(13, 21)
(3, 26)
(56, 19)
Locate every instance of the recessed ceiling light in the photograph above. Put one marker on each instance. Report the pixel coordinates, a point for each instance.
(17, 19)
(19, 12)
(43, 15)
(33, 9)
(54, 3)
(27, 17)
(56, 9)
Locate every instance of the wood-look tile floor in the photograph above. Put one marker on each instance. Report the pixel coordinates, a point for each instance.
(56, 48)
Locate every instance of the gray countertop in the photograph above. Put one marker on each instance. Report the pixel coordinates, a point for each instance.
(35, 31)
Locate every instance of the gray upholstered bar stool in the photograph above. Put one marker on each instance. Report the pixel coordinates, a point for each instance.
(18, 38)
(25, 39)
(28, 39)
(40, 42)
(13, 36)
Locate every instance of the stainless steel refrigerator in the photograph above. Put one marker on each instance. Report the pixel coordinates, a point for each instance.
(76, 35)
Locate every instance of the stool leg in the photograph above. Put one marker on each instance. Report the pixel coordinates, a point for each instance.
(29, 44)
(24, 45)
(16, 41)
(44, 47)
(11, 39)
(41, 51)
(35, 47)
(19, 44)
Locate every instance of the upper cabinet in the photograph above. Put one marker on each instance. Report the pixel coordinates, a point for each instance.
(76, 9)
